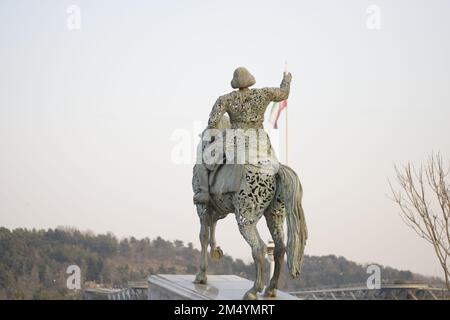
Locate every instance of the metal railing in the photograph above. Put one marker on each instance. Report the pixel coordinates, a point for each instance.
(386, 292)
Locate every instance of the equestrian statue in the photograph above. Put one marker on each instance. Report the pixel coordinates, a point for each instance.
(238, 172)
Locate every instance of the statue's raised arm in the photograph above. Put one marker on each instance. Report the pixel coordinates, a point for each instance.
(281, 93)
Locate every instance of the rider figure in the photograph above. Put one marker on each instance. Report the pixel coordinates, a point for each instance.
(246, 108)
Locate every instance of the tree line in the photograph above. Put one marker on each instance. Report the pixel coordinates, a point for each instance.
(33, 263)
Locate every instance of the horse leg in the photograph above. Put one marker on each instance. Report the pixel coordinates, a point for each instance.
(274, 220)
(251, 235)
(250, 203)
(204, 239)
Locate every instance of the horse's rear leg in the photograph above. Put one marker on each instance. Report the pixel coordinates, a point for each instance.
(204, 240)
(274, 220)
(251, 235)
(257, 192)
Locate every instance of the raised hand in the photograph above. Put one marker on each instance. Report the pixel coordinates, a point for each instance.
(287, 76)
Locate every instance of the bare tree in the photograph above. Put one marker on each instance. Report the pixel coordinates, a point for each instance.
(423, 198)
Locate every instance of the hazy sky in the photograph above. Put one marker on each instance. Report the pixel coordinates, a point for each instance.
(89, 118)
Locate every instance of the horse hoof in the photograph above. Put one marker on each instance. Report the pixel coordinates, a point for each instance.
(200, 278)
(251, 295)
(270, 293)
(216, 254)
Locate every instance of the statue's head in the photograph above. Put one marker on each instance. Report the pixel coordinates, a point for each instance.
(242, 79)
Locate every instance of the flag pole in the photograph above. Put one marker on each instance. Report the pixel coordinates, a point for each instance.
(287, 131)
(287, 141)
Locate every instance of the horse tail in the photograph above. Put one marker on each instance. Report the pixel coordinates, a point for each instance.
(289, 187)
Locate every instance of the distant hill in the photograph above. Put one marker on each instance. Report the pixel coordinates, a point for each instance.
(33, 264)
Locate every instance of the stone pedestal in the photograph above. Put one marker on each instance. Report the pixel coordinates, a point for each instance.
(219, 287)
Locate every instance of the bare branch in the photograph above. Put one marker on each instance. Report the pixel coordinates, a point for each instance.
(417, 207)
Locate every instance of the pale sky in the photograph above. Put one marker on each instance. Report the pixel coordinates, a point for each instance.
(88, 116)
